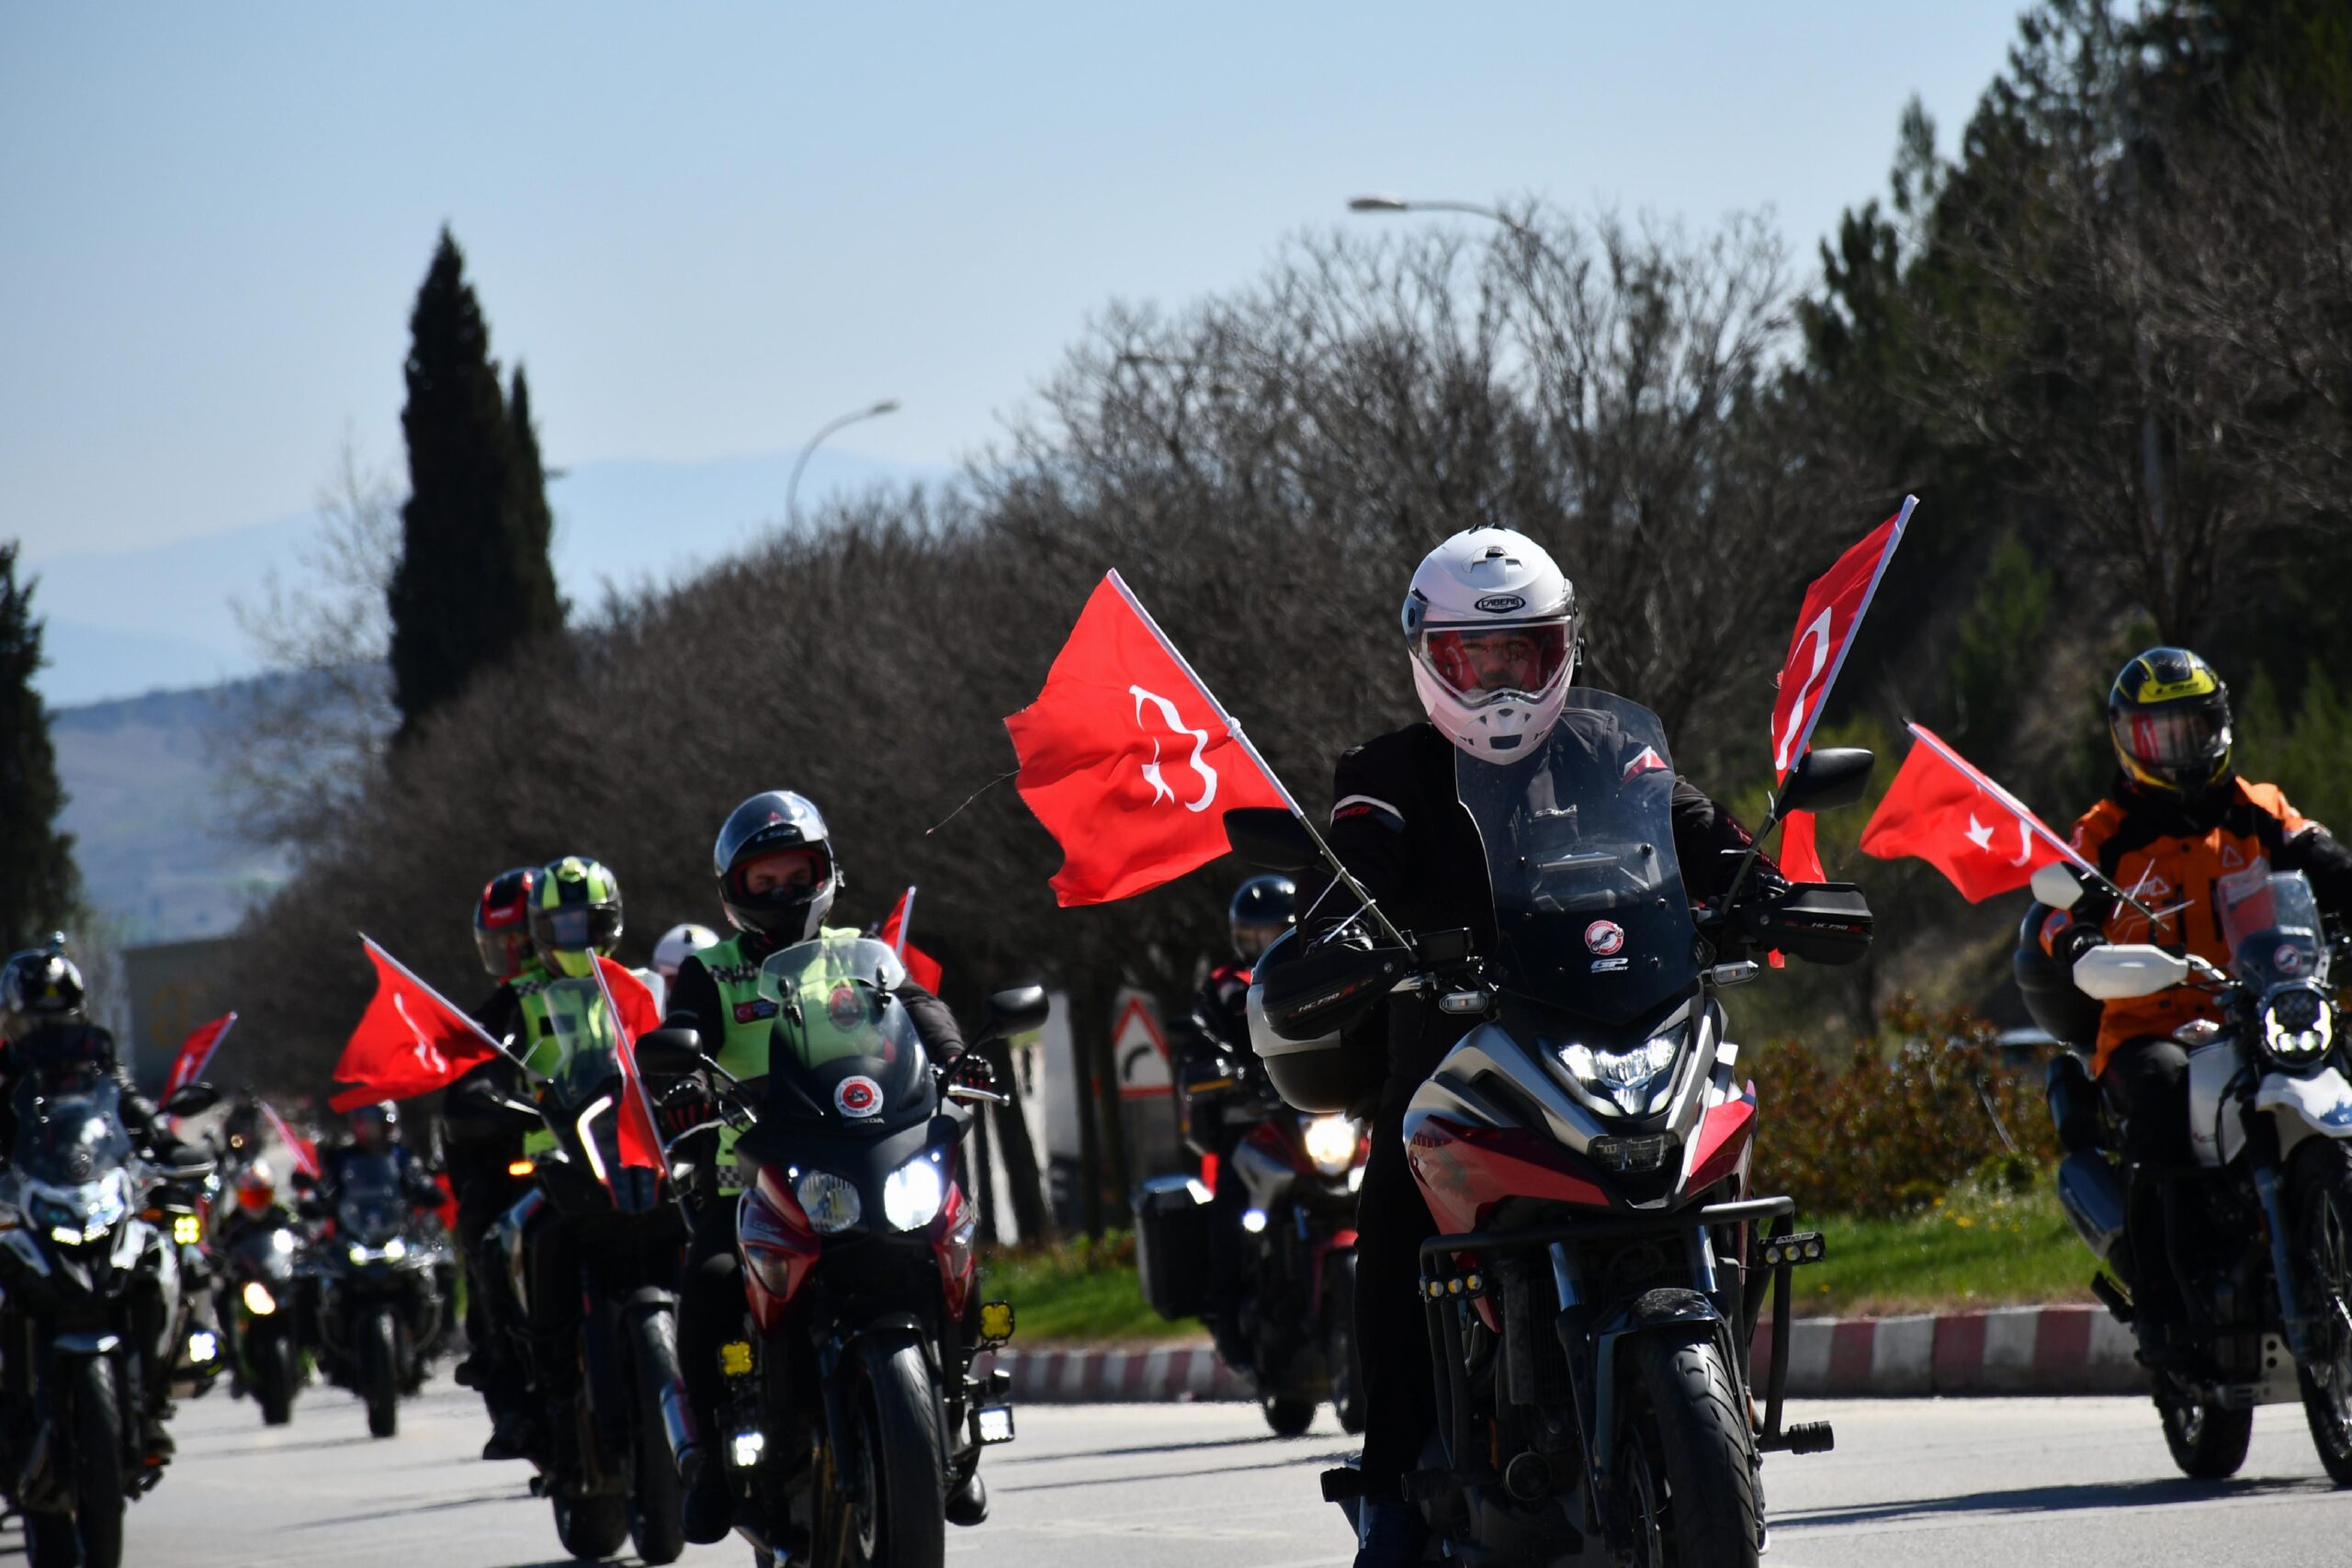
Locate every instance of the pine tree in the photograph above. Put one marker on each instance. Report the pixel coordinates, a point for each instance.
(474, 583)
(37, 885)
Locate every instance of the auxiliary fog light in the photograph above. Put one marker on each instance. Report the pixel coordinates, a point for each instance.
(1253, 1220)
(996, 1423)
(395, 1249)
(744, 1449)
(203, 1345)
(258, 1301)
(1331, 1144)
(187, 1229)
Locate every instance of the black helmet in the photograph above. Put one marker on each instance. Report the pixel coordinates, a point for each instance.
(575, 916)
(774, 865)
(37, 987)
(375, 1128)
(1263, 908)
(2169, 716)
(502, 921)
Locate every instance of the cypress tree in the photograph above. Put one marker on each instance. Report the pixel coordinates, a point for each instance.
(37, 885)
(473, 583)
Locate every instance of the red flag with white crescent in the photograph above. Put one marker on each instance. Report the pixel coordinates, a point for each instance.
(194, 1054)
(1945, 811)
(411, 1041)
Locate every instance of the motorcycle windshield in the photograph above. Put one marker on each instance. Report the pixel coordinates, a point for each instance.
(373, 1205)
(580, 1022)
(2270, 924)
(71, 1139)
(843, 1050)
(1590, 916)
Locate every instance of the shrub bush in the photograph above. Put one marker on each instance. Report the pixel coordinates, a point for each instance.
(1888, 1129)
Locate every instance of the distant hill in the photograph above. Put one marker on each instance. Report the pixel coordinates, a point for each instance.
(148, 818)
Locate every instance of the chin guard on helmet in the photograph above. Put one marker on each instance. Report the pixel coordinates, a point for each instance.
(1495, 635)
(773, 862)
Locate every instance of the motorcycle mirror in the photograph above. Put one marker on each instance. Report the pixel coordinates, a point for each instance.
(1825, 780)
(673, 1053)
(2128, 969)
(1017, 1009)
(192, 1099)
(2057, 886)
(1272, 839)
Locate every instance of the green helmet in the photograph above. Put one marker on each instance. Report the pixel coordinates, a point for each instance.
(575, 916)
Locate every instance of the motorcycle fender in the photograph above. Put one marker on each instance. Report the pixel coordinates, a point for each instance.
(1649, 1310)
(2216, 1135)
(2317, 1106)
(86, 1342)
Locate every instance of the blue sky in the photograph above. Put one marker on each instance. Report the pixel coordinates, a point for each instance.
(708, 228)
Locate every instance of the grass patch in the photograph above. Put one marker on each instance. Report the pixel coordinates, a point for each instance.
(1991, 1241)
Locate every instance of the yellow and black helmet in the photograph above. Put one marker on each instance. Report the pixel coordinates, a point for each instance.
(2168, 714)
(575, 915)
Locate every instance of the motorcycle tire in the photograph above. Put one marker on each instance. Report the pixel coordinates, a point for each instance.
(2208, 1444)
(274, 1374)
(2322, 1228)
(1688, 1455)
(98, 1495)
(657, 1525)
(1340, 1346)
(1287, 1417)
(380, 1372)
(889, 1499)
(592, 1527)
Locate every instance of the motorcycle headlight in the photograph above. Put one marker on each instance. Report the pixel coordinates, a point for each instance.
(357, 1253)
(1637, 1081)
(830, 1203)
(911, 1194)
(2298, 1026)
(395, 1249)
(258, 1301)
(1331, 1144)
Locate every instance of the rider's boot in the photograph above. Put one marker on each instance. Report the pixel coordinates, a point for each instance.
(710, 1501)
(1389, 1534)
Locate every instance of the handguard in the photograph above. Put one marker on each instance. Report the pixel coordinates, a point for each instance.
(1821, 922)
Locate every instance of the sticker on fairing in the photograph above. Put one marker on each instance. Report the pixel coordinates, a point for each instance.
(1604, 937)
(858, 1097)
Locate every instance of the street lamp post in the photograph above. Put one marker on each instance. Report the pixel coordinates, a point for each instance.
(1382, 202)
(792, 490)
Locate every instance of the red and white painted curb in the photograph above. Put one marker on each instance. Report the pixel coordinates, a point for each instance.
(2024, 1350)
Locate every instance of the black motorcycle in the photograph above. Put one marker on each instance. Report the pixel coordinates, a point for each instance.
(1289, 1182)
(597, 1232)
(258, 1310)
(380, 1283)
(852, 1424)
(91, 1293)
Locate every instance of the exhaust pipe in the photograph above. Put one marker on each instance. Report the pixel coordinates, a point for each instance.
(2091, 1191)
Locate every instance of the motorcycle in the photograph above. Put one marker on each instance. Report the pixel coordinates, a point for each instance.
(2259, 1231)
(92, 1291)
(1602, 1263)
(612, 1238)
(379, 1285)
(183, 1211)
(852, 1421)
(1298, 1176)
(258, 1312)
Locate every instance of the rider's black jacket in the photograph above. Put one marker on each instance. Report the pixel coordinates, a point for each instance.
(479, 1132)
(416, 1183)
(1398, 824)
(57, 1047)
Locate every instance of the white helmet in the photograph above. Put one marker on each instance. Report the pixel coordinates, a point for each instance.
(676, 942)
(1494, 631)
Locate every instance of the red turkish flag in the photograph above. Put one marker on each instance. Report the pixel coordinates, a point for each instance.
(1826, 626)
(922, 968)
(1945, 812)
(411, 1041)
(1126, 758)
(640, 1137)
(305, 1152)
(196, 1053)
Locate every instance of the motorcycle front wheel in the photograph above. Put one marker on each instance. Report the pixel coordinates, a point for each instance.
(2323, 1231)
(271, 1355)
(887, 1502)
(1340, 1345)
(656, 1501)
(2208, 1442)
(380, 1372)
(97, 1462)
(1688, 1473)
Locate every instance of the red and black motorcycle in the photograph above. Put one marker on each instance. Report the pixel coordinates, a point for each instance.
(1584, 1148)
(852, 1424)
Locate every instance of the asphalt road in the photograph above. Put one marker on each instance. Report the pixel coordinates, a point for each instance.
(2083, 1482)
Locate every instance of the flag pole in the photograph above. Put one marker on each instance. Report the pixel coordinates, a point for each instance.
(1233, 728)
(2025, 814)
(905, 918)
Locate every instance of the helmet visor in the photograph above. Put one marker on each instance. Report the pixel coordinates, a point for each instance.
(780, 877)
(2172, 740)
(578, 927)
(1478, 664)
(1251, 937)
